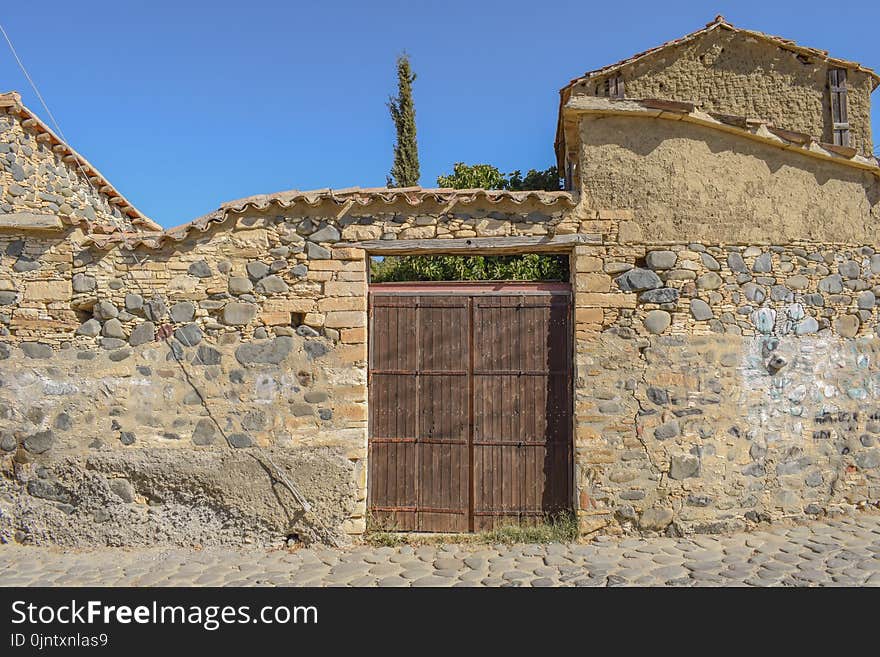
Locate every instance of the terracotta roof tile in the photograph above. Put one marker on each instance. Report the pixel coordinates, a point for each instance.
(363, 196)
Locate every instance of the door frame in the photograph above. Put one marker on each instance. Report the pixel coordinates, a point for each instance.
(477, 288)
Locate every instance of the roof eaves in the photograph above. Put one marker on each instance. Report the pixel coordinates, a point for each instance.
(746, 127)
(12, 101)
(413, 196)
(721, 23)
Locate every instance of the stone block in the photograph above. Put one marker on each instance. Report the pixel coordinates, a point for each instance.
(593, 282)
(605, 300)
(333, 289)
(47, 291)
(238, 314)
(587, 264)
(353, 335)
(345, 319)
(589, 315)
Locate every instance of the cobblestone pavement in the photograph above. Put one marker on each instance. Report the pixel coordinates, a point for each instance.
(839, 552)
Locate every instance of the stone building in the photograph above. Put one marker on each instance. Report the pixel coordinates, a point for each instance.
(217, 382)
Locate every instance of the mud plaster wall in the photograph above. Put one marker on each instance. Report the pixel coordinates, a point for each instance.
(154, 412)
(732, 74)
(683, 179)
(35, 178)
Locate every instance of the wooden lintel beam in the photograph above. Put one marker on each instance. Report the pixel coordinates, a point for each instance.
(469, 245)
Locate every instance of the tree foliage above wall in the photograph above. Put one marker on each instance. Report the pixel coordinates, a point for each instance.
(487, 176)
(527, 267)
(405, 169)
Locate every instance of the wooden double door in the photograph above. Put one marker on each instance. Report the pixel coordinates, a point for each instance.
(470, 404)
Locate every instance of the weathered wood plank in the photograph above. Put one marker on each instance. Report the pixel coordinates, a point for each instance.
(474, 245)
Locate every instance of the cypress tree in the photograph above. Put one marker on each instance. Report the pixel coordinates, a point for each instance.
(405, 170)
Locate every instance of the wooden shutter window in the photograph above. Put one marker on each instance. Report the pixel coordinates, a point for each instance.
(614, 87)
(839, 114)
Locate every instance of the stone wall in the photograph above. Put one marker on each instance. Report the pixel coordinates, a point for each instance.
(155, 395)
(40, 176)
(685, 179)
(722, 386)
(157, 388)
(726, 72)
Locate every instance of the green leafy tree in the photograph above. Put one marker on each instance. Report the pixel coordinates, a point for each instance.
(486, 176)
(547, 180)
(527, 267)
(405, 169)
(473, 176)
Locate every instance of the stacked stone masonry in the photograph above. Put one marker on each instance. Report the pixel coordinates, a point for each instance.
(251, 333)
(192, 386)
(39, 177)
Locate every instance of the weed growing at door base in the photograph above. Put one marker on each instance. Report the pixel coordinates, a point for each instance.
(561, 528)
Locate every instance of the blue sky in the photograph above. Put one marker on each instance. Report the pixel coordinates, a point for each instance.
(184, 105)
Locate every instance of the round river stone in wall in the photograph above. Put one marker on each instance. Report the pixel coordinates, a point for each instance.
(189, 335)
(240, 285)
(709, 281)
(36, 349)
(659, 295)
(113, 329)
(849, 269)
(326, 234)
(272, 285)
(709, 262)
(104, 310)
(831, 284)
(661, 259)
(847, 326)
(199, 269)
(183, 311)
(90, 328)
(762, 264)
(701, 310)
(764, 319)
(257, 270)
(133, 302)
(807, 326)
(273, 351)
(142, 334)
(240, 440)
(155, 309)
(204, 432)
(867, 300)
(736, 263)
(657, 321)
(638, 279)
(39, 442)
